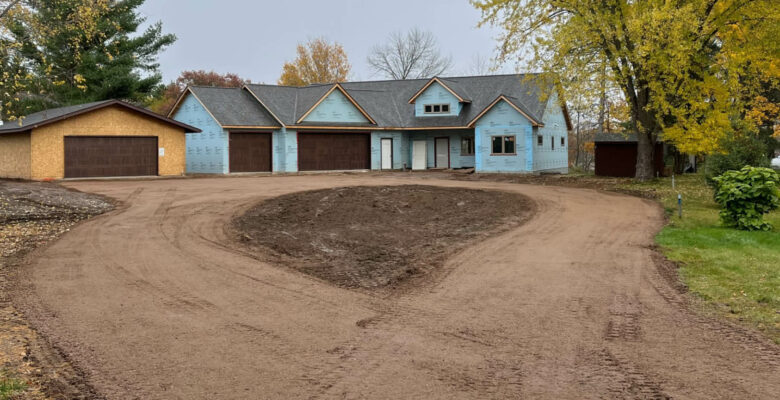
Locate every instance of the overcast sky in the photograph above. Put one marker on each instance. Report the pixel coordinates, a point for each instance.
(255, 38)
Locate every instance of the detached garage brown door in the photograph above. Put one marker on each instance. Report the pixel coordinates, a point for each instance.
(105, 156)
(250, 152)
(333, 151)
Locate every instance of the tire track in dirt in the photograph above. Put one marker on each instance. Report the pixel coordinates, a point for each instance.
(569, 305)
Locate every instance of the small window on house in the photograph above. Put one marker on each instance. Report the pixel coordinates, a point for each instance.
(563, 141)
(437, 108)
(503, 144)
(467, 146)
(539, 140)
(552, 143)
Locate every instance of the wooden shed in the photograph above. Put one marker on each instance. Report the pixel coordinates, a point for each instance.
(616, 154)
(103, 139)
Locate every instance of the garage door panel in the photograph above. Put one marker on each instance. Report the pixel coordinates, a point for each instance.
(103, 156)
(250, 152)
(333, 151)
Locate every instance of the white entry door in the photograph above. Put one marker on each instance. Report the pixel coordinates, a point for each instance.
(442, 152)
(387, 153)
(419, 154)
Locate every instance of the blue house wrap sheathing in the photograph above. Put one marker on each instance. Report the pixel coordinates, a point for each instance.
(498, 123)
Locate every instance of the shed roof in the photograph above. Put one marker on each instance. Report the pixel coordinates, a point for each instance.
(615, 138)
(46, 117)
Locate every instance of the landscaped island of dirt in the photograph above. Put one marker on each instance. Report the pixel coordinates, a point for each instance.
(372, 237)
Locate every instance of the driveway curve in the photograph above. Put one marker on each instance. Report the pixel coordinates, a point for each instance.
(153, 301)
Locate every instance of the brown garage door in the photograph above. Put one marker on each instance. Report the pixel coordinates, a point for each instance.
(250, 152)
(333, 151)
(102, 156)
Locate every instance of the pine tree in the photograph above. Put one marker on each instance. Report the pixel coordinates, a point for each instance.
(104, 60)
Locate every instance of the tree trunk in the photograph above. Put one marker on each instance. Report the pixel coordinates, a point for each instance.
(645, 126)
(645, 156)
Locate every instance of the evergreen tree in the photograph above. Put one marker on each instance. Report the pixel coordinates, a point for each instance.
(105, 60)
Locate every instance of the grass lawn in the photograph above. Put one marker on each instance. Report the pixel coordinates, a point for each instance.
(10, 387)
(736, 273)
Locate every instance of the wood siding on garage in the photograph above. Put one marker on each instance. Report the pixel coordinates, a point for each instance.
(106, 156)
(250, 152)
(333, 151)
(619, 159)
(48, 142)
(15, 156)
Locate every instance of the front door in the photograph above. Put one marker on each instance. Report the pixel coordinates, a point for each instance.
(442, 152)
(387, 153)
(419, 156)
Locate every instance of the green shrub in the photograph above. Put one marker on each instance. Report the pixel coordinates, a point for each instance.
(746, 195)
(743, 150)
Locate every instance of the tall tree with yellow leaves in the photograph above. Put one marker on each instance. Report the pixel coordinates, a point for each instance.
(318, 61)
(684, 67)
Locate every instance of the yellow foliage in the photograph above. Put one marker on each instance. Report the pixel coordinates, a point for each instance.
(318, 61)
(684, 67)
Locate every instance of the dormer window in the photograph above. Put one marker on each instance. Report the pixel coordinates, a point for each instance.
(437, 108)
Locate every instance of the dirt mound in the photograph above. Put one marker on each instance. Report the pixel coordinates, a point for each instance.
(370, 237)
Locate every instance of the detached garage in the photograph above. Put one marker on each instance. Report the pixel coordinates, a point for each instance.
(616, 155)
(103, 139)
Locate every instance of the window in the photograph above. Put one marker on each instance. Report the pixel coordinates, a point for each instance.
(563, 141)
(437, 108)
(467, 146)
(552, 143)
(503, 144)
(539, 140)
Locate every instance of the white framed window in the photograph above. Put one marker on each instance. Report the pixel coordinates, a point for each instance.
(539, 140)
(563, 141)
(503, 145)
(437, 108)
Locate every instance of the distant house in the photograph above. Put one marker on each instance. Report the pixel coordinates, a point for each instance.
(490, 123)
(103, 139)
(615, 155)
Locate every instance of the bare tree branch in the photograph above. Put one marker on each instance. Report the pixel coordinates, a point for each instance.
(8, 6)
(412, 55)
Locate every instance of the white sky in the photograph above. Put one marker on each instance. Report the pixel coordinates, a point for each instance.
(255, 38)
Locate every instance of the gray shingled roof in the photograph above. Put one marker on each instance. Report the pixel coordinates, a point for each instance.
(387, 102)
(234, 106)
(31, 120)
(52, 115)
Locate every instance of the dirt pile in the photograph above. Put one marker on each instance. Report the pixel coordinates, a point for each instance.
(371, 237)
(31, 215)
(34, 213)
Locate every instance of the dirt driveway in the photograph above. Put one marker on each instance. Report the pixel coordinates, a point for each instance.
(152, 301)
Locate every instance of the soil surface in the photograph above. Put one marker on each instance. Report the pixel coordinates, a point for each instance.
(32, 215)
(156, 301)
(375, 237)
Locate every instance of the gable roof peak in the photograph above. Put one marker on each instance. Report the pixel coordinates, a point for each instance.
(52, 115)
(346, 94)
(436, 79)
